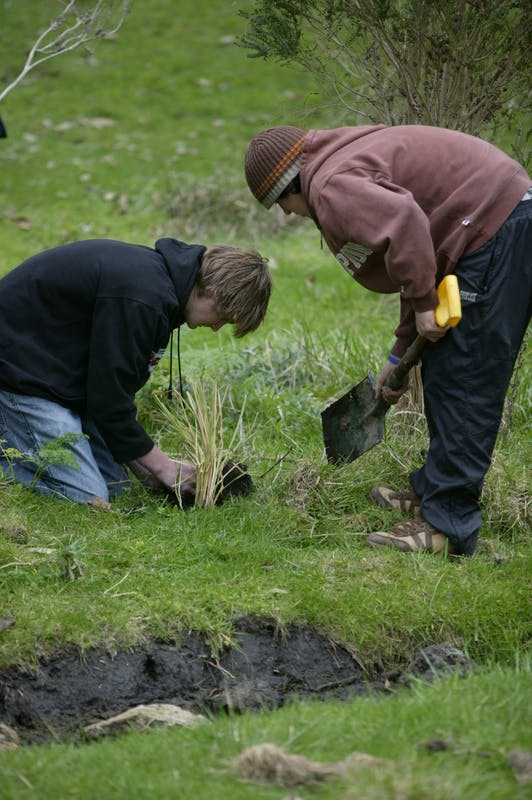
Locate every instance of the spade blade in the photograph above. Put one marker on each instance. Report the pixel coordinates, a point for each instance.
(354, 423)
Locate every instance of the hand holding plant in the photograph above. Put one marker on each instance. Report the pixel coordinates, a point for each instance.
(197, 422)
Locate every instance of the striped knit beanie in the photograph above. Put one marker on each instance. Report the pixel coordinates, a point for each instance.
(272, 161)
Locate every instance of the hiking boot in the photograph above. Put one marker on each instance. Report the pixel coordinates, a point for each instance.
(406, 501)
(412, 536)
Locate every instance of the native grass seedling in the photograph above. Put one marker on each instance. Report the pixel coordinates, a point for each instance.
(197, 423)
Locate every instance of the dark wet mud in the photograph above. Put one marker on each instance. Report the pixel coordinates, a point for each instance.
(264, 668)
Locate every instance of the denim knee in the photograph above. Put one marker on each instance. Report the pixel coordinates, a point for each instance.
(29, 426)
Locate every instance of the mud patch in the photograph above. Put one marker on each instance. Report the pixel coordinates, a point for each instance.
(264, 668)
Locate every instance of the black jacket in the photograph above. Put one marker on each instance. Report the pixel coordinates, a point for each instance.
(84, 324)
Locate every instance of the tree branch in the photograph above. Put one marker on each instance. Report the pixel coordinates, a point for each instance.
(65, 34)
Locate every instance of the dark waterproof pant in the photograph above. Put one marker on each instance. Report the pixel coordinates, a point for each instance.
(466, 376)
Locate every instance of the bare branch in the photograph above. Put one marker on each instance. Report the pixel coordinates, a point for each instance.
(70, 29)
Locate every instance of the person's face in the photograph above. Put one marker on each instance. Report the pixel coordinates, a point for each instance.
(201, 312)
(294, 204)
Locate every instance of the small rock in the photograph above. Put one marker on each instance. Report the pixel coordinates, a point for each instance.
(499, 558)
(14, 531)
(436, 660)
(97, 122)
(143, 717)
(250, 694)
(266, 763)
(6, 623)
(521, 763)
(437, 745)
(99, 504)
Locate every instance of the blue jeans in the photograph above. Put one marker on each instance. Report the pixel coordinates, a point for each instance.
(29, 424)
(466, 376)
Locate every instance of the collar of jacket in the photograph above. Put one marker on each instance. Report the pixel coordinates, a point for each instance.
(183, 262)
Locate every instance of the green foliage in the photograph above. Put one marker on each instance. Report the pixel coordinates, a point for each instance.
(274, 30)
(67, 562)
(53, 453)
(58, 451)
(456, 64)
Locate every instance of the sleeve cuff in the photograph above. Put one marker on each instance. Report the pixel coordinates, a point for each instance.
(426, 303)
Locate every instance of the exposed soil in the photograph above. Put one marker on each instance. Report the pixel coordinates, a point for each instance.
(264, 669)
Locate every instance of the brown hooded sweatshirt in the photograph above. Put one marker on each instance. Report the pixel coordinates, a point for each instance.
(399, 206)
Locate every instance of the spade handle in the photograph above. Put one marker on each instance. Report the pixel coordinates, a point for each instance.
(398, 374)
(447, 312)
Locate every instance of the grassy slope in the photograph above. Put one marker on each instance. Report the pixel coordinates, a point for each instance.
(183, 104)
(180, 103)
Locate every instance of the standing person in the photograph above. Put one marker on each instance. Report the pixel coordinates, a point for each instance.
(83, 325)
(400, 208)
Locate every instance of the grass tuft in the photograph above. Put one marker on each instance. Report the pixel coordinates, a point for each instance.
(196, 424)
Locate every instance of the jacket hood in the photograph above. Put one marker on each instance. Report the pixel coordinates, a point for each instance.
(321, 145)
(183, 262)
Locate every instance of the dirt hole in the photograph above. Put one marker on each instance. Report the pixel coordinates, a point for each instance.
(264, 668)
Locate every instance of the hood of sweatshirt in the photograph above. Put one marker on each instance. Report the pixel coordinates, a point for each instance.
(327, 145)
(183, 262)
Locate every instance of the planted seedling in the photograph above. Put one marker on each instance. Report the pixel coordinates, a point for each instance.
(196, 421)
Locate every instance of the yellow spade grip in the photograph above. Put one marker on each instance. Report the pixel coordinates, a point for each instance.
(449, 309)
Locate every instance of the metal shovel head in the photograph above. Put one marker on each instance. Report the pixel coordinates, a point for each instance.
(354, 423)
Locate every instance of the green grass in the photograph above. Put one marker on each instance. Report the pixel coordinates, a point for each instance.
(155, 570)
(179, 102)
(183, 102)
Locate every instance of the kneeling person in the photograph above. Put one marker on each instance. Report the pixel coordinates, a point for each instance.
(83, 326)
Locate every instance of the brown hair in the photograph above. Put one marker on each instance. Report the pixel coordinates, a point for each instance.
(239, 283)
